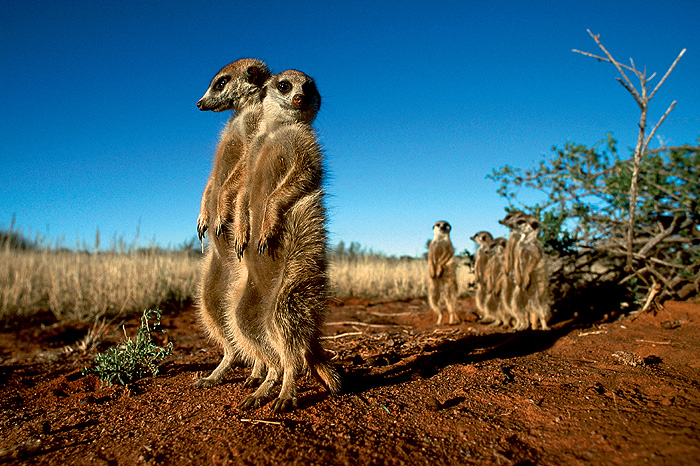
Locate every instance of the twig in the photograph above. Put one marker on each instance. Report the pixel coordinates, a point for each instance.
(364, 324)
(594, 332)
(667, 149)
(654, 342)
(653, 292)
(661, 120)
(341, 335)
(263, 421)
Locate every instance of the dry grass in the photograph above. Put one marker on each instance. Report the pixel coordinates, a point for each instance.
(83, 286)
(86, 286)
(388, 277)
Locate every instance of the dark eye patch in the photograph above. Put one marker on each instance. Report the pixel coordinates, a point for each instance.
(284, 87)
(221, 83)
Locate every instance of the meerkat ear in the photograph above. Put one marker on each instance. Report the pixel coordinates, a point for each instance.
(256, 75)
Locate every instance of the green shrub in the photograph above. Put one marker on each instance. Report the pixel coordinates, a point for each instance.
(132, 359)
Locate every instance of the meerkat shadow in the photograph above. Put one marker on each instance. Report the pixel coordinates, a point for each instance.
(467, 350)
(580, 307)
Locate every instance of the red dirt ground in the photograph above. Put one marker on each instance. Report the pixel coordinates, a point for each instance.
(624, 392)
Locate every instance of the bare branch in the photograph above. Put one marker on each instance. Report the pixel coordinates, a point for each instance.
(619, 66)
(675, 62)
(651, 135)
(656, 240)
(630, 90)
(667, 149)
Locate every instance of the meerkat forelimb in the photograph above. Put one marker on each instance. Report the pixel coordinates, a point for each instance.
(284, 297)
(235, 87)
(442, 272)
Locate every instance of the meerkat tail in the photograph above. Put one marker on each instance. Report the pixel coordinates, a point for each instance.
(323, 371)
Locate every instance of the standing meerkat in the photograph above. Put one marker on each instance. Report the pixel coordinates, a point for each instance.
(280, 304)
(531, 292)
(236, 87)
(515, 314)
(488, 268)
(498, 301)
(443, 277)
(484, 240)
(509, 221)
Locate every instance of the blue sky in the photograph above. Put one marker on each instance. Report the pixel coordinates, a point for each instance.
(421, 100)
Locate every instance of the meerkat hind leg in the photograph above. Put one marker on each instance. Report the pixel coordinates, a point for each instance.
(217, 374)
(262, 394)
(287, 399)
(433, 301)
(450, 303)
(256, 376)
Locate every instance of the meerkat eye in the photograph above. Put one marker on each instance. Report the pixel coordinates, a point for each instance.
(221, 83)
(284, 87)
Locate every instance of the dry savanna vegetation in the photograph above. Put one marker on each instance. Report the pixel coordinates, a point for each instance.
(123, 281)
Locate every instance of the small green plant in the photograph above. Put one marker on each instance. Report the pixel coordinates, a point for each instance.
(132, 359)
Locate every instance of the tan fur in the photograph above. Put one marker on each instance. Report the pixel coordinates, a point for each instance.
(509, 221)
(483, 239)
(531, 291)
(236, 87)
(442, 272)
(497, 284)
(278, 308)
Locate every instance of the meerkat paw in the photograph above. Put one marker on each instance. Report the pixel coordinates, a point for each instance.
(205, 382)
(284, 405)
(218, 227)
(201, 227)
(252, 382)
(240, 242)
(254, 402)
(263, 245)
(454, 320)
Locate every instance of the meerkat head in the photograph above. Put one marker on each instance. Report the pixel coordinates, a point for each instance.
(235, 86)
(442, 228)
(527, 224)
(499, 243)
(482, 238)
(511, 218)
(291, 97)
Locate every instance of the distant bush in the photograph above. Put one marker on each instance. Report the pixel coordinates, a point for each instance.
(639, 213)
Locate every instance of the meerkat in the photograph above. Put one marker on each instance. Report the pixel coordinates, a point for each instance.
(498, 301)
(509, 221)
(489, 272)
(443, 277)
(236, 87)
(483, 239)
(531, 291)
(279, 305)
